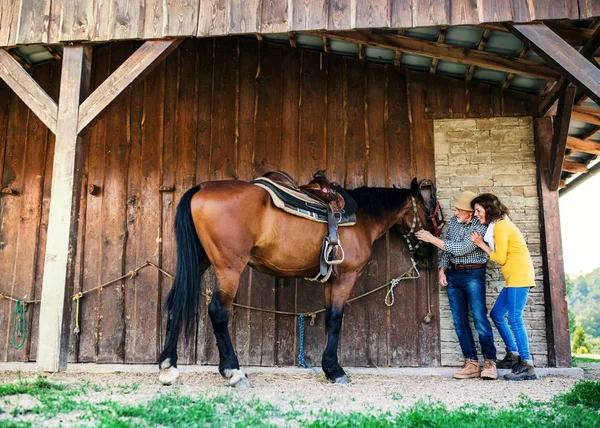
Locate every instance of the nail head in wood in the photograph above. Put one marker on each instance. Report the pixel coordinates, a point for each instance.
(9, 191)
(166, 189)
(93, 190)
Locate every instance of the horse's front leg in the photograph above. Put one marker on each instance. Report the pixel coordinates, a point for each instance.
(336, 295)
(219, 311)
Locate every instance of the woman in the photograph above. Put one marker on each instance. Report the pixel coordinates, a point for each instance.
(507, 248)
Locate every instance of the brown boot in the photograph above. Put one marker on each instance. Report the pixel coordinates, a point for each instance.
(489, 370)
(469, 370)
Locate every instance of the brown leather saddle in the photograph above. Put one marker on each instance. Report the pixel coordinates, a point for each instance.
(319, 196)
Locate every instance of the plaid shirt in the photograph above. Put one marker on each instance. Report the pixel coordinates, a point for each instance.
(460, 250)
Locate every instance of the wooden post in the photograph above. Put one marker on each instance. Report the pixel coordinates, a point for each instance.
(557, 321)
(561, 131)
(64, 213)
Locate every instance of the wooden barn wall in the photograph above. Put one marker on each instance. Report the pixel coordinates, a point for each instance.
(54, 21)
(220, 109)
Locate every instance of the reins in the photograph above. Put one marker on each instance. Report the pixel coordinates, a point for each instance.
(416, 221)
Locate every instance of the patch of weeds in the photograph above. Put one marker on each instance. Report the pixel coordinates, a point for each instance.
(396, 396)
(585, 393)
(38, 386)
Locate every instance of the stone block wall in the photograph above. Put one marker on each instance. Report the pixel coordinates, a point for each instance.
(493, 155)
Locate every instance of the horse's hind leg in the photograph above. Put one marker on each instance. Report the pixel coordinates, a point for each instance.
(219, 311)
(336, 295)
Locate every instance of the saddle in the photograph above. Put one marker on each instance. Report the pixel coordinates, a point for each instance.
(319, 200)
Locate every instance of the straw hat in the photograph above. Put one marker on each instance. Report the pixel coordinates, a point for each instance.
(463, 201)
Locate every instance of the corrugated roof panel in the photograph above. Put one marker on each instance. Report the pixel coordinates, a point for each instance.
(416, 62)
(503, 44)
(34, 54)
(452, 69)
(426, 33)
(343, 48)
(534, 57)
(527, 84)
(379, 54)
(309, 41)
(485, 75)
(465, 37)
(281, 38)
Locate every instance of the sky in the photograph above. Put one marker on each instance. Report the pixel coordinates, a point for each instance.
(580, 229)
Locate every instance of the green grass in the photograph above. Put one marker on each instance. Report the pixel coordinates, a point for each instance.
(585, 358)
(576, 408)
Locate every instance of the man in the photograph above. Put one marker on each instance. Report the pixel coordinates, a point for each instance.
(462, 269)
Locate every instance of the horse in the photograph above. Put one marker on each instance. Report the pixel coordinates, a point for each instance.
(230, 224)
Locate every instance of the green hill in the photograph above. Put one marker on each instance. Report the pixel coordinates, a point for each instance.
(583, 297)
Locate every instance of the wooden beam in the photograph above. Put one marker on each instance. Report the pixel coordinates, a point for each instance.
(480, 46)
(586, 114)
(134, 68)
(292, 38)
(559, 139)
(361, 51)
(591, 132)
(557, 320)
(398, 54)
(585, 146)
(326, 47)
(446, 52)
(576, 36)
(547, 40)
(28, 90)
(440, 39)
(511, 76)
(574, 167)
(54, 327)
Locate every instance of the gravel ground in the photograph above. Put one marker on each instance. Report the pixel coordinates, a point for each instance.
(309, 392)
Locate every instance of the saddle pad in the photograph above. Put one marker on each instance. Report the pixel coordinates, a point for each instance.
(298, 204)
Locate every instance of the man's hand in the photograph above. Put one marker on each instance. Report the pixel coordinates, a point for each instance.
(424, 235)
(443, 281)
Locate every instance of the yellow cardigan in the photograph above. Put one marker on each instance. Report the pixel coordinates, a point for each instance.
(512, 255)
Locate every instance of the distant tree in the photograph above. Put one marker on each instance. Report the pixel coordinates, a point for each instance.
(580, 345)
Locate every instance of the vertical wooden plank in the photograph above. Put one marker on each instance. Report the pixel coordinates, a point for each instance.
(463, 12)
(557, 319)
(9, 13)
(479, 100)
(286, 325)
(339, 14)
(89, 309)
(422, 140)
(154, 20)
(307, 15)
(185, 147)
(243, 17)
(376, 272)
(6, 101)
(12, 178)
(168, 167)
(312, 157)
(402, 339)
(43, 230)
(524, 11)
(588, 9)
(125, 18)
(495, 11)
(267, 155)
(223, 151)
(207, 349)
(370, 14)
(64, 214)
(100, 23)
(430, 12)
(274, 16)
(353, 338)
(561, 9)
(111, 326)
(182, 17)
(33, 25)
(248, 68)
(336, 119)
(401, 13)
(213, 18)
(29, 210)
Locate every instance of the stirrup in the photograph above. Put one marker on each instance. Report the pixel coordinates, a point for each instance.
(333, 248)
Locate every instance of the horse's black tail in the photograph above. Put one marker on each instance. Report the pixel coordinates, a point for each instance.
(183, 299)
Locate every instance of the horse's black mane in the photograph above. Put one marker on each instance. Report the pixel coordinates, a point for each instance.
(379, 202)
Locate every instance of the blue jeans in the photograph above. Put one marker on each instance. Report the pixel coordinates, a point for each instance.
(511, 301)
(467, 288)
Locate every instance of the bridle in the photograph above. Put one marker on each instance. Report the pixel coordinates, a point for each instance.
(437, 216)
(413, 228)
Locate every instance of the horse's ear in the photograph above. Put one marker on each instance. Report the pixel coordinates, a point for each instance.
(414, 187)
(394, 186)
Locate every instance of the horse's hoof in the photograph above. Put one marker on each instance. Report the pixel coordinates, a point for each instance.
(342, 380)
(237, 379)
(168, 376)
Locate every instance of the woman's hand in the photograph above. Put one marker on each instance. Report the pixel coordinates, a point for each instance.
(424, 235)
(477, 239)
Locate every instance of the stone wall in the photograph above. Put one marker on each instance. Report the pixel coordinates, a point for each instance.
(493, 155)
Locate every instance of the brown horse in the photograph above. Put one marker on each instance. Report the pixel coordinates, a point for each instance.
(231, 224)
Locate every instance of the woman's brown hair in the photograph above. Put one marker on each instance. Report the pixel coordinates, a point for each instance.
(494, 209)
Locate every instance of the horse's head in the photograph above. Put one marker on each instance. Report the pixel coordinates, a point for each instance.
(413, 217)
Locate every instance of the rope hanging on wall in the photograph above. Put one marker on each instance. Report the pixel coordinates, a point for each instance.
(20, 322)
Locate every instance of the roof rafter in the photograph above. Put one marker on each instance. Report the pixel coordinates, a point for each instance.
(446, 52)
